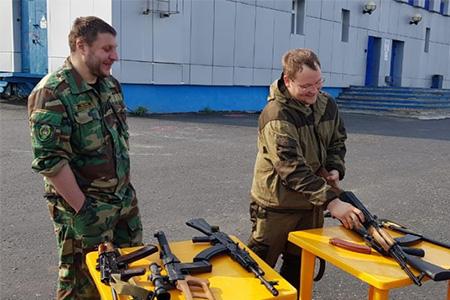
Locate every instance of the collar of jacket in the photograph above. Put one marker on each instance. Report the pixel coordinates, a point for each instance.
(279, 92)
(77, 84)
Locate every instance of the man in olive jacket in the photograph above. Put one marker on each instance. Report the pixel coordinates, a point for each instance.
(300, 132)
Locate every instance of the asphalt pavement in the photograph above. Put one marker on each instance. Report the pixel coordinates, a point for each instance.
(200, 165)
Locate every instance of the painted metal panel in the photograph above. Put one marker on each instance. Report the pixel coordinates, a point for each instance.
(297, 41)
(201, 75)
(202, 32)
(171, 37)
(282, 35)
(245, 35)
(60, 22)
(435, 5)
(339, 50)
(264, 38)
(313, 8)
(276, 74)
(243, 76)
(136, 36)
(262, 77)
(325, 49)
(10, 47)
(222, 75)
(250, 2)
(167, 73)
(102, 9)
(81, 8)
(327, 11)
(224, 31)
(312, 31)
(419, 3)
(137, 72)
(284, 5)
(266, 3)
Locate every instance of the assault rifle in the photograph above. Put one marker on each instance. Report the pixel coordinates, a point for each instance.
(110, 262)
(178, 274)
(380, 239)
(411, 234)
(224, 244)
(375, 235)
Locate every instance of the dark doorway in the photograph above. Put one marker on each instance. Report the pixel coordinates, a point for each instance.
(373, 61)
(397, 62)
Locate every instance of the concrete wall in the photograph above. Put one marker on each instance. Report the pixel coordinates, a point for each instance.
(10, 42)
(240, 42)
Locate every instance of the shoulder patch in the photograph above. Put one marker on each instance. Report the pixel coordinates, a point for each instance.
(45, 132)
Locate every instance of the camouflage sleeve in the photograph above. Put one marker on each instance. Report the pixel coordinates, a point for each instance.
(283, 147)
(336, 149)
(50, 132)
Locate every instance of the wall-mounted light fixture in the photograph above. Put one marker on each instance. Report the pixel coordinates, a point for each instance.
(415, 19)
(369, 7)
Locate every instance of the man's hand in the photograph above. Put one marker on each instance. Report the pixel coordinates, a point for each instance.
(67, 187)
(333, 178)
(349, 215)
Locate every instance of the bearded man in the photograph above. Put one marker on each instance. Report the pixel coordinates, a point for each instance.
(79, 138)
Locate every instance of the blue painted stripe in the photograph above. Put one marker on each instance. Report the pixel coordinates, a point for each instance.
(194, 98)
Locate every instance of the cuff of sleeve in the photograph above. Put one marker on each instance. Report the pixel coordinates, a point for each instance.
(52, 171)
(337, 167)
(329, 195)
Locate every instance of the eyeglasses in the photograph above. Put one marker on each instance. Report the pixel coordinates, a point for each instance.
(308, 87)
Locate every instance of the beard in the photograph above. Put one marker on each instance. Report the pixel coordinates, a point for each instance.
(95, 67)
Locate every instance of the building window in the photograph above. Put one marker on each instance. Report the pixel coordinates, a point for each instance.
(345, 25)
(298, 16)
(427, 40)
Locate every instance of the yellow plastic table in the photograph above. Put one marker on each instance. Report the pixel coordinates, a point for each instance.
(228, 280)
(381, 273)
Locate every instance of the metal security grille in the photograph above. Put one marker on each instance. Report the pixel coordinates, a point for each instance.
(164, 8)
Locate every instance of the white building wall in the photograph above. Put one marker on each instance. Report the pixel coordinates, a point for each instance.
(240, 42)
(10, 52)
(60, 16)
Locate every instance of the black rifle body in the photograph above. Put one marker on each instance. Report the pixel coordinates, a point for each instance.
(224, 244)
(384, 243)
(110, 261)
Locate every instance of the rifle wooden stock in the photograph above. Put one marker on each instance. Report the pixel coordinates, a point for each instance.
(195, 287)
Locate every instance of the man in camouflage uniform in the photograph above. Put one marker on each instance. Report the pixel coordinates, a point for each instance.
(300, 132)
(80, 144)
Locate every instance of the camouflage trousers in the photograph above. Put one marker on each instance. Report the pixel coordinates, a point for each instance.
(269, 235)
(80, 233)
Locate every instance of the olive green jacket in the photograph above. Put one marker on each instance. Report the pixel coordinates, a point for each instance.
(73, 123)
(294, 141)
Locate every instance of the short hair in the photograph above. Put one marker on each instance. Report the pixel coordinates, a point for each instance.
(88, 28)
(294, 60)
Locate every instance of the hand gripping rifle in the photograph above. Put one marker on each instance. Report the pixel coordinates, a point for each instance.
(380, 239)
(177, 274)
(113, 265)
(224, 244)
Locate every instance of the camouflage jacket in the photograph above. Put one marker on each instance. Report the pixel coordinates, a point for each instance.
(73, 123)
(294, 141)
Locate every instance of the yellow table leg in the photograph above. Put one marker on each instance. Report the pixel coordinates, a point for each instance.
(306, 275)
(448, 290)
(377, 294)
